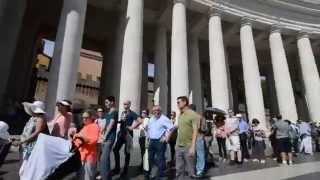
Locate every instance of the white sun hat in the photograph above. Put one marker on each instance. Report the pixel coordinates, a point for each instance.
(37, 107)
(64, 103)
(4, 134)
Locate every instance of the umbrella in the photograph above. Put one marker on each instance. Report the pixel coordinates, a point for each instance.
(215, 110)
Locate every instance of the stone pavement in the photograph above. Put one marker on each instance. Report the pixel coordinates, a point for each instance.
(305, 167)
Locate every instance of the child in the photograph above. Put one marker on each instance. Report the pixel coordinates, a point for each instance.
(259, 145)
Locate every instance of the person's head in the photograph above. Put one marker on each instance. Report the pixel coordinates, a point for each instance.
(182, 102)
(219, 118)
(88, 116)
(145, 113)
(230, 113)
(64, 106)
(156, 110)
(279, 117)
(173, 115)
(126, 105)
(110, 102)
(193, 107)
(239, 116)
(255, 122)
(100, 112)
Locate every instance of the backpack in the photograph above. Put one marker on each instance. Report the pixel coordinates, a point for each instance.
(293, 132)
(204, 127)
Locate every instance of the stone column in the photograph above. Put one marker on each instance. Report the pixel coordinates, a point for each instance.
(65, 62)
(285, 96)
(310, 76)
(11, 18)
(218, 69)
(144, 85)
(161, 69)
(111, 69)
(251, 74)
(195, 72)
(179, 53)
(131, 68)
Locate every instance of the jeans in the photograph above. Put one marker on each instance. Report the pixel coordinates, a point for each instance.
(222, 147)
(157, 152)
(184, 164)
(87, 171)
(172, 144)
(105, 160)
(99, 153)
(201, 161)
(244, 145)
(142, 143)
(122, 140)
(295, 145)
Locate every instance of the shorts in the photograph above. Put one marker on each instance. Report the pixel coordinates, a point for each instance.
(284, 145)
(233, 143)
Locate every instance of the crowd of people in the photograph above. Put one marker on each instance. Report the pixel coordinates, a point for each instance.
(189, 134)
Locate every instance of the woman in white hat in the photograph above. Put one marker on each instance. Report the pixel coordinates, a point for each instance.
(36, 125)
(62, 121)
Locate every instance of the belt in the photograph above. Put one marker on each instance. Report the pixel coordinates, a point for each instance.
(155, 139)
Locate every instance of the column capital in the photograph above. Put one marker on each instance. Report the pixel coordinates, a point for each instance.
(180, 1)
(246, 21)
(303, 34)
(215, 11)
(276, 28)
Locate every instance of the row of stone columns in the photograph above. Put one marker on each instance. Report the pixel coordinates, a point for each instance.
(184, 69)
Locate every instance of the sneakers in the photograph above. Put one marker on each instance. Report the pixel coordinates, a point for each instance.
(290, 163)
(263, 161)
(255, 160)
(198, 176)
(245, 160)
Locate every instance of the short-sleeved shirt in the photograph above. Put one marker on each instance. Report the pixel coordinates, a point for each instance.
(305, 129)
(61, 125)
(157, 127)
(126, 119)
(282, 129)
(109, 116)
(101, 122)
(243, 126)
(232, 126)
(88, 150)
(185, 122)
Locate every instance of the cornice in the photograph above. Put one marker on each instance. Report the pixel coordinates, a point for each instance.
(262, 18)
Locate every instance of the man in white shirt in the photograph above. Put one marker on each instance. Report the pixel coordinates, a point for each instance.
(158, 131)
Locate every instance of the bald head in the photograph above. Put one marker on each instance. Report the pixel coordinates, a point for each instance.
(126, 104)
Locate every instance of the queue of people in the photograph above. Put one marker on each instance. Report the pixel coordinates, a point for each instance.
(188, 133)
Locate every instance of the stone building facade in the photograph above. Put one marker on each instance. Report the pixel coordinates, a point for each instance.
(215, 50)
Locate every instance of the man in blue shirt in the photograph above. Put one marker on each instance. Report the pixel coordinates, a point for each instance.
(158, 131)
(243, 134)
